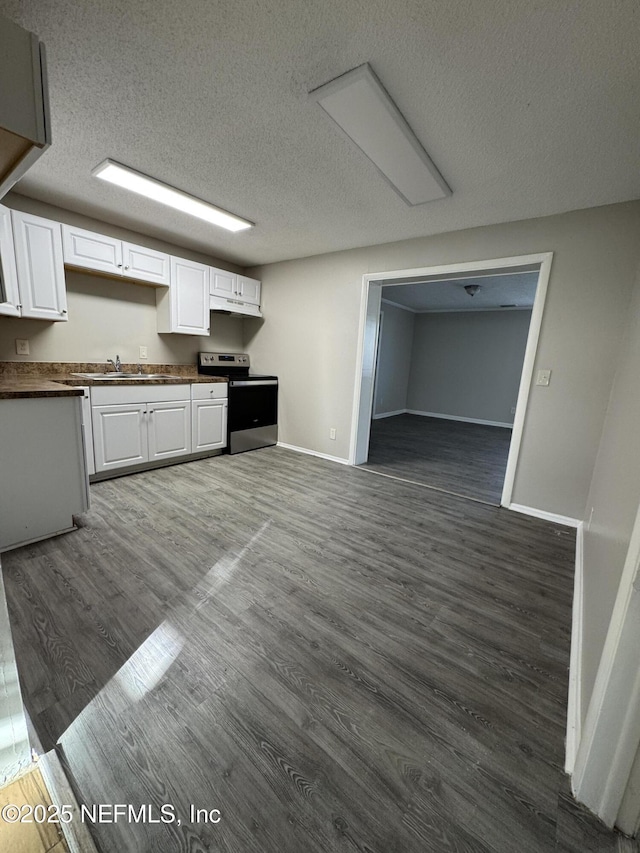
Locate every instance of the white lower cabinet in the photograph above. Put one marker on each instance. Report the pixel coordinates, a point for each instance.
(168, 428)
(119, 436)
(208, 425)
(134, 425)
(43, 470)
(87, 430)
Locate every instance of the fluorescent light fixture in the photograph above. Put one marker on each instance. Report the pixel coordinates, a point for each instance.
(129, 179)
(362, 108)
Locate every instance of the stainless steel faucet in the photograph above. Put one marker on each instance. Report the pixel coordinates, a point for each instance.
(117, 364)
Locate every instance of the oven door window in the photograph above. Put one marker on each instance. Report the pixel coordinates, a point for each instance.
(251, 407)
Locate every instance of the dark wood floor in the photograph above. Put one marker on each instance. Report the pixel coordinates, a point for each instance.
(336, 661)
(461, 458)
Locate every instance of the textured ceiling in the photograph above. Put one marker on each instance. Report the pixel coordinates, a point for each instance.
(527, 107)
(517, 289)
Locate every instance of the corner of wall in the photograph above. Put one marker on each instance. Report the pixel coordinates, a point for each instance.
(574, 703)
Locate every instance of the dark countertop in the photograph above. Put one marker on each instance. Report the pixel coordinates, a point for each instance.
(17, 387)
(55, 379)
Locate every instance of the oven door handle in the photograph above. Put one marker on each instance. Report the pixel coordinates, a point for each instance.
(240, 383)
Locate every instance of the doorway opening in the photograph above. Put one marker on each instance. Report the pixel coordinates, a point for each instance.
(442, 385)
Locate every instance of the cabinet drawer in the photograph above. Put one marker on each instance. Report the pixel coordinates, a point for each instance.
(209, 391)
(110, 396)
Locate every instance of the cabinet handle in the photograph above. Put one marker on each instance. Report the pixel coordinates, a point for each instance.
(126, 268)
(64, 311)
(119, 265)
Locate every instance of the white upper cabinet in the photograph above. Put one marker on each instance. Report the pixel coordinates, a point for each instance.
(9, 295)
(40, 268)
(184, 310)
(25, 124)
(146, 264)
(223, 283)
(248, 289)
(238, 288)
(91, 251)
(235, 293)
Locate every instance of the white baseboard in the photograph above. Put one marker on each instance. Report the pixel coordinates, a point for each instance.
(574, 703)
(338, 459)
(547, 516)
(390, 414)
(455, 418)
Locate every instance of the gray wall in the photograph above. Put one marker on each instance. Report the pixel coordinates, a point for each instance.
(614, 496)
(468, 363)
(311, 337)
(107, 316)
(394, 360)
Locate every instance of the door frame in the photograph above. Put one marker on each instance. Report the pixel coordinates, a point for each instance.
(377, 361)
(371, 295)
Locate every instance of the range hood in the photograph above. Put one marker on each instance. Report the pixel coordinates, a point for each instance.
(25, 127)
(233, 306)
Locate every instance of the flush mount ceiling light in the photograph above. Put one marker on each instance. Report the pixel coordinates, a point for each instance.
(136, 182)
(472, 289)
(360, 105)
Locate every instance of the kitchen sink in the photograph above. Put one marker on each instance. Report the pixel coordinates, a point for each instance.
(115, 376)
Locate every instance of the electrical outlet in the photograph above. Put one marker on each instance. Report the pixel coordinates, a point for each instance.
(513, 410)
(22, 347)
(543, 377)
(332, 434)
(143, 352)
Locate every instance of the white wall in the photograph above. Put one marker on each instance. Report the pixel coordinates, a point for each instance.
(109, 317)
(312, 309)
(614, 496)
(394, 360)
(468, 363)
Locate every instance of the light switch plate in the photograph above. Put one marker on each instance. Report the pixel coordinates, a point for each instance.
(543, 377)
(22, 346)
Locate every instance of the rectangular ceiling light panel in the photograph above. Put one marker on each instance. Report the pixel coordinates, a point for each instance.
(136, 182)
(361, 107)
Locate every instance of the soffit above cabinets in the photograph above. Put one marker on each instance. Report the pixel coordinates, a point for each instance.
(527, 109)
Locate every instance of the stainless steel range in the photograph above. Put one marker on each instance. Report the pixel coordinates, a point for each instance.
(253, 400)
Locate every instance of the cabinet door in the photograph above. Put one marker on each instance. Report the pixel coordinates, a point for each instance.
(189, 297)
(248, 289)
(91, 251)
(169, 427)
(9, 298)
(145, 264)
(208, 425)
(223, 283)
(119, 436)
(38, 244)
